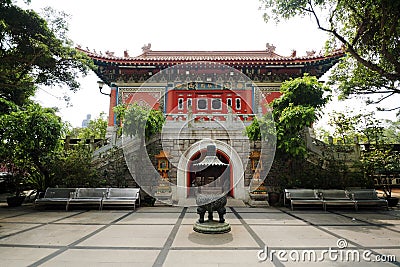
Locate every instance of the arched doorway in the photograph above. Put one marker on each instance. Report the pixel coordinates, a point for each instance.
(224, 149)
(213, 178)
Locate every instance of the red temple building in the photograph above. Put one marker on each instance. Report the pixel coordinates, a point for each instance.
(204, 86)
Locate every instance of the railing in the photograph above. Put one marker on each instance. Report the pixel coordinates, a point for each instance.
(207, 117)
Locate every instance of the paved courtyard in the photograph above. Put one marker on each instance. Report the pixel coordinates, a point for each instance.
(163, 236)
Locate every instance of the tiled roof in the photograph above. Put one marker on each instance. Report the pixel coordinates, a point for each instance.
(227, 57)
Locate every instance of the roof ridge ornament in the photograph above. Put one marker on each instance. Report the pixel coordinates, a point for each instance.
(310, 53)
(109, 53)
(146, 48)
(270, 48)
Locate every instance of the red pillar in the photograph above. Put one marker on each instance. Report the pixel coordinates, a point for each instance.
(113, 103)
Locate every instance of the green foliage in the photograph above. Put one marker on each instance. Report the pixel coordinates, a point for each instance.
(363, 126)
(345, 125)
(380, 162)
(296, 109)
(116, 171)
(369, 31)
(28, 139)
(304, 91)
(290, 125)
(73, 168)
(253, 130)
(391, 132)
(35, 52)
(300, 173)
(120, 111)
(262, 128)
(96, 128)
(140, 121)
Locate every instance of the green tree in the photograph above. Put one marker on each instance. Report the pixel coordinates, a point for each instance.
(369, 31)
(74, 168)
(29, 138)
(96, 128)
(380, 163)
(363, 126)
(35, 52)
(140, 121)
(344, 125)
(391, 132)
(297, 108)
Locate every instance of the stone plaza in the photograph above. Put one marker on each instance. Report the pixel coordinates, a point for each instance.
(163, 236)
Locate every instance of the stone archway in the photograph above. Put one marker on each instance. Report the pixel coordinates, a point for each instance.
(207, 176)
(234, 158)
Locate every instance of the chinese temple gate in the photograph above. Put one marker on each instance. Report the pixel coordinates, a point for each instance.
(204, 86)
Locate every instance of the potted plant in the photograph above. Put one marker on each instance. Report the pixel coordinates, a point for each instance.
(17, 186)
(383, 165)
(385, 182)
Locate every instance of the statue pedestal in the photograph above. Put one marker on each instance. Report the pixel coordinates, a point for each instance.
(212, 227)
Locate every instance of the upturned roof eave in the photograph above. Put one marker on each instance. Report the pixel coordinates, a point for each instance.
(140, 60)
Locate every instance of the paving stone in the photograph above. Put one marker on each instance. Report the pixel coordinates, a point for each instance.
(215, 258)
(139, 238)
(375, 218)
(13, 256)
(40, 217)
(367, 235)
(10, 213)
(130, 236)
(293, 236)
(51, 234)
(151, 218)
(327, 219)
(97, 217)
(270, 218)
(104, 257)
(159, 209)
(11, 228)
(257, 210)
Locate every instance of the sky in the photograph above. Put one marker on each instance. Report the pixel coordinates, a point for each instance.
(171, 25)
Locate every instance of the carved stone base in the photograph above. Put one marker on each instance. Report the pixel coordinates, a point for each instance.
(212, 227)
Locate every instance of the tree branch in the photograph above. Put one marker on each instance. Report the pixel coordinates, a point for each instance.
(382, 98)
(350, 48)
